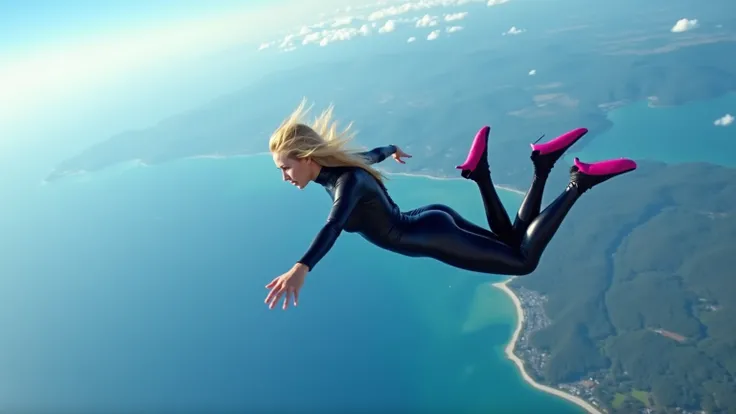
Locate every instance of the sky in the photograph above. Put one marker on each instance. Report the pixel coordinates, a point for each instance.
(34, 23)
(50, 48)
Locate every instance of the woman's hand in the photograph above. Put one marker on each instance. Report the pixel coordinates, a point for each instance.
(399, 154)
(289, 283)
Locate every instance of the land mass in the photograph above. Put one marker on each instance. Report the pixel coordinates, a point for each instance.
(633, 311)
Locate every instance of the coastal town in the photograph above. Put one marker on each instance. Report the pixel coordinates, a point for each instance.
(534, 319)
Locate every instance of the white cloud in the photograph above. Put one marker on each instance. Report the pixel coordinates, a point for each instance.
(455, 16)
(365, 30)
(343, 21)
(684, 25)
(388, 27)
(433, 35)
(411, 39)
(312, 38)
(327, 36)
(419, 5)
(514, 31)
(532, 72)
(453, 29)
(427, 21)
(725, 120)
(392, 11)
(319, 25)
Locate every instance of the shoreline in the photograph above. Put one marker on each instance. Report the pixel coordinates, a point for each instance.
(520, 364)
(403, 174)
(137, 162)
(438, 178)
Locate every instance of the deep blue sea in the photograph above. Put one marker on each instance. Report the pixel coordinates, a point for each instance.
(140, 289)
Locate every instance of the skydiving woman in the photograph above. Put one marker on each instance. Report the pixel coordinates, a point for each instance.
(361, 203)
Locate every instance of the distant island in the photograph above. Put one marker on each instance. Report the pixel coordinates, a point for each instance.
(633, 310)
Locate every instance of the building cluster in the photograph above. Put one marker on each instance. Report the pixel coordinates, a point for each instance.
(535, 319)
(534, 359)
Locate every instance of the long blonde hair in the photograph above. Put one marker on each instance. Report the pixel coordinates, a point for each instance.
(320, 141)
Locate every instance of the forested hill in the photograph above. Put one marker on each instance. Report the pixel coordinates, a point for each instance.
(641, 287)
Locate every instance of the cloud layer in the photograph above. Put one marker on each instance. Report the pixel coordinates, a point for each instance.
(381, 19)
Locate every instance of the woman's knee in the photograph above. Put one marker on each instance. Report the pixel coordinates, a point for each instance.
(528, 266)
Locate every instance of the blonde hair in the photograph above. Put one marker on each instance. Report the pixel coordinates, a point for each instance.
(320, 141)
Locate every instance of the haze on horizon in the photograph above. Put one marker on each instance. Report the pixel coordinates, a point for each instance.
(54, 52)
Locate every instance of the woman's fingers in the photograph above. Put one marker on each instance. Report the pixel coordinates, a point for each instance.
(272, 283)
(281, 289)
(399, 155)
(276, 299)
(274, 291)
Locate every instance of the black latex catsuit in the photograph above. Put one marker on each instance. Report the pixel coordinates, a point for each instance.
(362, 205)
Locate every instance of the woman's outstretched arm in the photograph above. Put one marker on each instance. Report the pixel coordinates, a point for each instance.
(347, 194)
(378, 154)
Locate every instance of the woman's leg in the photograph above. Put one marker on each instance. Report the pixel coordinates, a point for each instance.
(434, 233)
(476, 168)
(544, 156)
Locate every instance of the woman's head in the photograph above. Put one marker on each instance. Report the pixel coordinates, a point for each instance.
(300, 150)
(291, 147)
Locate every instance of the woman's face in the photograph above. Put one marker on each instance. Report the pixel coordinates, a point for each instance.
(296, 171)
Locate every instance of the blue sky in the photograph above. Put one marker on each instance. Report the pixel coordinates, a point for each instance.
(30, 23)
(52, 51)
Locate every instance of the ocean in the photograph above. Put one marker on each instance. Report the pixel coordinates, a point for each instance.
(141, 289)
(685, 133)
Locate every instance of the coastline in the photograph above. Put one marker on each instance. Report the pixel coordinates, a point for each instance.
(141, 163)
(435, 177)
(403, 174)
(520, 364)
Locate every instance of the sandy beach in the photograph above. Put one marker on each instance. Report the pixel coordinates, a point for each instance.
(519, 363)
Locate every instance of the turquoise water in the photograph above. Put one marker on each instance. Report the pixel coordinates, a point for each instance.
(142, 288)
(677, 134)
